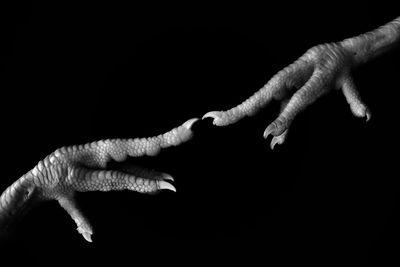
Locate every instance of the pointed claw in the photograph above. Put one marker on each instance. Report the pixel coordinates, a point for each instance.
(279, 139)
(166, 176)
(188, 124)
(274, 142)
(166, 185)
(270, 130)
(215, 115)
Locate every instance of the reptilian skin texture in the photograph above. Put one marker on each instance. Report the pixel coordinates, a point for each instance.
(81, 168)
(315, 73)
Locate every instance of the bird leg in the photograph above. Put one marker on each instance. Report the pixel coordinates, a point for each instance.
(320, 69)
(82, 168)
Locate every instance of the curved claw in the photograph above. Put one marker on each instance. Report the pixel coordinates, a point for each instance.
(278, 139)
(166, 185)
(275, 140)
(189, 123)
(278, 127)
(166, 176)
(271, 129)
(216, 116)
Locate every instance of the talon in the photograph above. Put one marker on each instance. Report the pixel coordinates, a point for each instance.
(275, 141)
(166, 185)
(215, 115)
(270, 129)
(279, 139)
(166, 176)
(188, 124)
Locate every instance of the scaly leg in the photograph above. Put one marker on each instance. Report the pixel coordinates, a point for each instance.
(320, 69)
(83, 168)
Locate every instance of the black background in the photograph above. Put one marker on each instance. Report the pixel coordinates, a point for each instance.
(74, 73)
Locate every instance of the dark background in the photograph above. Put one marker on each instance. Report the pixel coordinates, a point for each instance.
(74, 73)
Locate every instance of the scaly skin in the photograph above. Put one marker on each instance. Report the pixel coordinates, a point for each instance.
(82, 168)
(319, 70)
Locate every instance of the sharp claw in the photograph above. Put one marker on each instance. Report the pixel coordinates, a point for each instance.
(166, 176)
(274, 142)
(188, 124)
(270, 129)
(166, 185)
(278, 140)
(215, 115)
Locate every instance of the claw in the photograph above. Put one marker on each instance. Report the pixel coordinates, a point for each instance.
(166, 185)
(368, 114)
(278, 139)
(188, 124)
(275, 141)
(278, 127)
(166, 176)
(86, 232)
(216, 116)
(270, 130)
